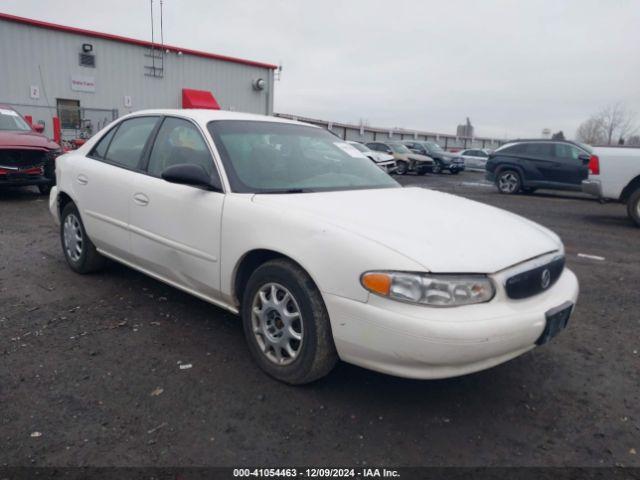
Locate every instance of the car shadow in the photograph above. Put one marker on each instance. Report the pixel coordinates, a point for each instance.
(18, 194)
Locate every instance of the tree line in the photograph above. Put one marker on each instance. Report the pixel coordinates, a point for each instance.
(612, 125)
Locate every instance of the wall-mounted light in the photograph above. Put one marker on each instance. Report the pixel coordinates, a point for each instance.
(259, 84)
(87, 47)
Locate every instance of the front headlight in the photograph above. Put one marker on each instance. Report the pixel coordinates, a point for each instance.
(435, 290)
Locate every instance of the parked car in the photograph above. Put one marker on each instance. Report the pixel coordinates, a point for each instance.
(312, 245)
(27, 157)
(475, 158)
(386, 162)
(443, 160)
(615, 175)
(406, 160)
(525, 165)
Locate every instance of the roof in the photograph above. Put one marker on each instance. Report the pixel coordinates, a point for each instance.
(206, 115)
(132, 41)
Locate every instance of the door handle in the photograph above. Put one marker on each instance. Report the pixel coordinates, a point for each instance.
(82, 179)
(141, 199)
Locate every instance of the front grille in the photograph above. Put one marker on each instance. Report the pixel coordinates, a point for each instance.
(534, 281)
(22, 159)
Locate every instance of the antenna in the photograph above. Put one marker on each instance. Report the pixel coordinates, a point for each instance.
(153, 62)
(161, 30)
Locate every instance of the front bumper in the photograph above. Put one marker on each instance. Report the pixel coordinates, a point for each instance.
(423, 342)
(21, 180)
(592, 187)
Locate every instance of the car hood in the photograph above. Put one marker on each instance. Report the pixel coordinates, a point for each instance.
(10, 139)
(442, 232)
(419, 158)
(382, 157)
(446, 155)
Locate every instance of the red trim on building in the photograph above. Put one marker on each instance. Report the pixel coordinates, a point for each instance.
(132, 41)
(198, 99)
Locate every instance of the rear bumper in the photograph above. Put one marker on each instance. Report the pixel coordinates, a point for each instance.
(592, 187)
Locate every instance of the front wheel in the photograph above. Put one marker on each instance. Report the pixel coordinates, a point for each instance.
(508, 182)
(633, 207)
(286, 324)
(402, 168)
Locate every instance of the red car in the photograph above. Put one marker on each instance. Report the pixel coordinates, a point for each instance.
(27, 157)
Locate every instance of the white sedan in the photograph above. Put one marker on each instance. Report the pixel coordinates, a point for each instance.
(383, 160)
(312, 245)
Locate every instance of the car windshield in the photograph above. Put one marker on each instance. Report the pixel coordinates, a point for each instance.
(359, 146)
(271, 157)
(399, 148)
(434, 146)
(10, 120)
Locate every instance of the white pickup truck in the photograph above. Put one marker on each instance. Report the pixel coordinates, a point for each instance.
(616, 177)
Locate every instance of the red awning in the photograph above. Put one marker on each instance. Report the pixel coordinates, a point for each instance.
(198, 99)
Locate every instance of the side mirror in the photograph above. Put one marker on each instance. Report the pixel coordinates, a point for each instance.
(39, 127)
(584, 158)
(190, 174)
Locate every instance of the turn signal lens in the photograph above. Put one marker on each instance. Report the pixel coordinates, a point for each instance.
(379, 283)
(436, 290)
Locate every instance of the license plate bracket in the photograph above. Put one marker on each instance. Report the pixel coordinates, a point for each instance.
(557, 319)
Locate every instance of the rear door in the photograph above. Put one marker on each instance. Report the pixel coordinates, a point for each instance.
(540, 164)
(104, 182)
(175, 229)
(571, 170)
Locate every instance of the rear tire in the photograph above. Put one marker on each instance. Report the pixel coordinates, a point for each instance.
(78, 249)
(290, 337)
(508, 182)
(633, 207)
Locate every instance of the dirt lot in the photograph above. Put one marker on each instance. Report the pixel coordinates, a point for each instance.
(92, 363)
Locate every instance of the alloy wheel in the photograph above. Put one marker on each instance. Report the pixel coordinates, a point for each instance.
(508, 182)
(277, 323)
(73, 238)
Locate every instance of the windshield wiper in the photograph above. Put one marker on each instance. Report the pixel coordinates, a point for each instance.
(285, 190)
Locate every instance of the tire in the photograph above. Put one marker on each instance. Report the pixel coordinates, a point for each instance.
(401, 167)
(78, 249)
(508, 182)
(314, 354)
(633, 207)
(454, 171)
(44, 188)
(437, 168)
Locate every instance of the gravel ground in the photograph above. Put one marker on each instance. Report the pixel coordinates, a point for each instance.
(92, 368)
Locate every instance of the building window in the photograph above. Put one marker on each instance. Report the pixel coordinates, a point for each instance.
(68, 113)
(87, 60)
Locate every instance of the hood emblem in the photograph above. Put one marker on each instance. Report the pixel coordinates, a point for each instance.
(545, 279)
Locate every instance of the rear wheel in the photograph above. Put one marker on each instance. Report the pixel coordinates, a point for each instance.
(286, 324)
(633, 207)
(508, 182)
(402, 168)
(79, 250)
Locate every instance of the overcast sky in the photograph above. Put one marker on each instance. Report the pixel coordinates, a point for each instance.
(513, 67)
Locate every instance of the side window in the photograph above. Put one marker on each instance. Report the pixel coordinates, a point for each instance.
(514, 149)
(129, 141)
(100, 150)
(178, 141)
(539, 149)
(566, 152)
(482, 153)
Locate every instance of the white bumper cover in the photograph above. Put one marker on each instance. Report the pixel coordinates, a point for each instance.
(424, 342)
